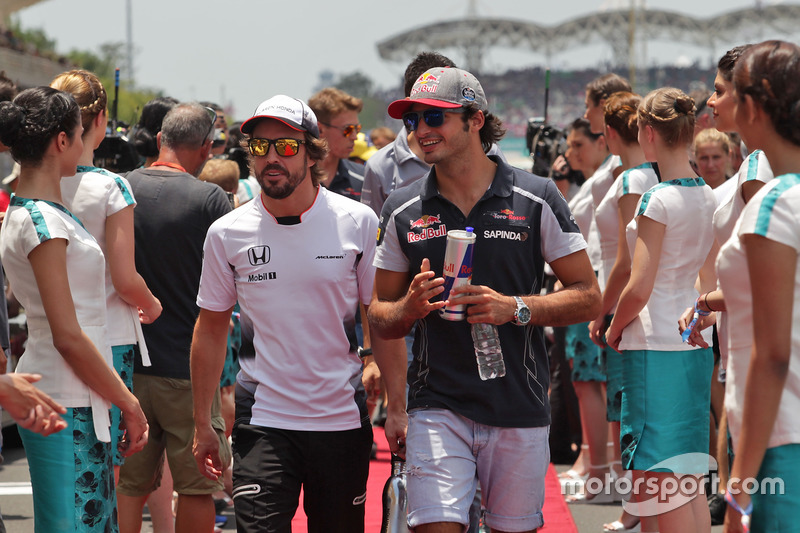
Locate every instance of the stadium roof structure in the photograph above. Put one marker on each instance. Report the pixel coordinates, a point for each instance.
(474, 35)
(7, 7)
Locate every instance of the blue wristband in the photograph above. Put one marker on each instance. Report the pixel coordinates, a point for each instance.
(745, 521)
(738, 508)
(697, 314)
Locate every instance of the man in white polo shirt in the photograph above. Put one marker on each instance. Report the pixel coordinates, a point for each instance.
(299, 260)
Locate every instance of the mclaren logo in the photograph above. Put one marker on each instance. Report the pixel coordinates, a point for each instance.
(329, 257)
(258, 255)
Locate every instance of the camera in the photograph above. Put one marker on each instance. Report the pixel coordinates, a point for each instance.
(546, 143)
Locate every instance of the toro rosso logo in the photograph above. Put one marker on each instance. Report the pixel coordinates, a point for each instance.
(506, 214)
(424, 223)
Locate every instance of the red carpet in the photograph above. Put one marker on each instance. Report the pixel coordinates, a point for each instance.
(556, 514)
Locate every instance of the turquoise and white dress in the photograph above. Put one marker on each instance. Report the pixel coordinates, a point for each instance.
(587, 361)
(71, 471)
(636, 180)
(773, 213)
(666, 395)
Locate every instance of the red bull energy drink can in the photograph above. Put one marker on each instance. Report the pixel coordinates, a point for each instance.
(457, 269)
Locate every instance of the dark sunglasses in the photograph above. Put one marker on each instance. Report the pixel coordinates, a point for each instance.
(348, 130)
(213, 115)
(432, 117)
(284, 147)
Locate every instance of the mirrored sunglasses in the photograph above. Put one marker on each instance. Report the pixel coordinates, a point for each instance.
(432, 117)
(347, 130)
(284, 147)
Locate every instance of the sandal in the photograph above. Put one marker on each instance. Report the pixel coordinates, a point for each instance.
(606, 495)
(573, 474)
(618, 527)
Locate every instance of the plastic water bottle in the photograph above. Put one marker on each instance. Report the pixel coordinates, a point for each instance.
(488, 351)
(395, 499)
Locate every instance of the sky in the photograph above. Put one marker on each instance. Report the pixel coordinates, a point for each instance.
(241, 52)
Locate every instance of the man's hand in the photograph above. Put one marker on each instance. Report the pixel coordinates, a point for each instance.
(486, 306)
(31, 408)
(597, 328)
(206, 451)
(371, 379)
(395, 429)
(423, 287)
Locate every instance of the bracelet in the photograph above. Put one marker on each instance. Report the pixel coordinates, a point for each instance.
(705, 300)
(738, 508)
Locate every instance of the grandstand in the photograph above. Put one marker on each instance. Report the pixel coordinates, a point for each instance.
(517, 95)
(21, 62)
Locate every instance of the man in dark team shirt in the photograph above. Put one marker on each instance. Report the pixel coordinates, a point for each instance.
(457, 424)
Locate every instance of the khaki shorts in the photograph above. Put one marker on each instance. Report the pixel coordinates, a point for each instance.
(167, 404)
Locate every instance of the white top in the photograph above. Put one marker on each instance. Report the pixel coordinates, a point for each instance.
(300, 285)
(93, 195)
(774, 213)
(636, 180)
(685, 207)
(248, 189)
(754, 167)
(585, 201)
(27, 224)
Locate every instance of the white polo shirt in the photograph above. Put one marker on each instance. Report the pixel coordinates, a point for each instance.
(300, 285)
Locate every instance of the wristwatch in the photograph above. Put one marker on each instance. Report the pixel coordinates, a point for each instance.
(523, 314)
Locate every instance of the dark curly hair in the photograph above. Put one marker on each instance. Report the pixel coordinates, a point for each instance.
(728, 61)
(769, 73)
(145, 132)
(33, 118)
(492, 130)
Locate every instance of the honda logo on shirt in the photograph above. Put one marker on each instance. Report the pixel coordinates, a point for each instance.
(258, 255)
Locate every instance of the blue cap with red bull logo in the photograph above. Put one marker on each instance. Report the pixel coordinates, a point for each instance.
(443, 87)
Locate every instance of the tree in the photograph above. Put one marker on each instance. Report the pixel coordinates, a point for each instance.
(356, 84)
(103, 65)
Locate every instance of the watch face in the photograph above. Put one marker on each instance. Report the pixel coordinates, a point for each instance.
(523, 316)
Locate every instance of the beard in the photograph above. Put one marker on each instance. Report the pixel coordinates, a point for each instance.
(286, 188)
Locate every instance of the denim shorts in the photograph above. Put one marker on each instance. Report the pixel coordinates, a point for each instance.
(444, 452)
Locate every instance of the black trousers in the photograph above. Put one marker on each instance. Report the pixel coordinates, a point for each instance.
(271, 465)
